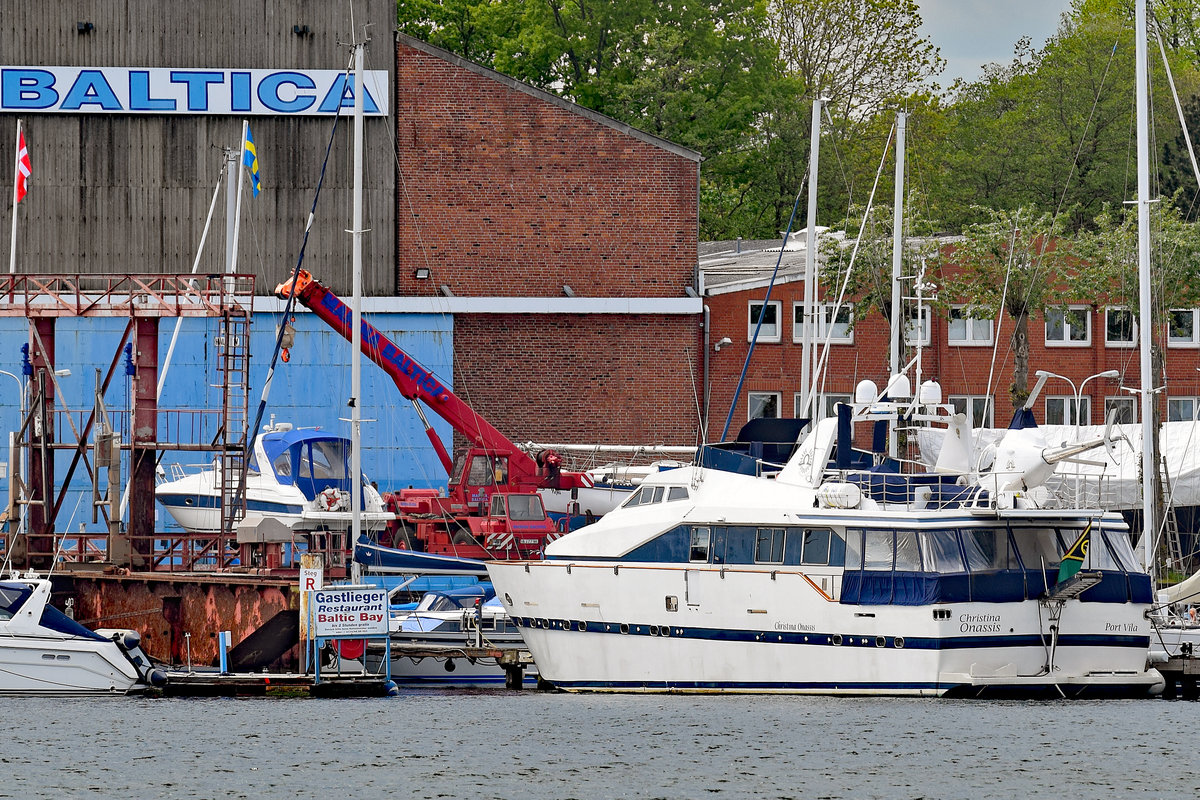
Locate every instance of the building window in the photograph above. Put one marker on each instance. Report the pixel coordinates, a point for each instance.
(1182, 328)
(1062, 411)
(1120, 330)
(826, 404)
(978, 409)
(770, 321)
(764, 404)
(1181, 409)
(833, 323)
(916, 332)
(1069, 326)
(1125, 408)
(964, 329)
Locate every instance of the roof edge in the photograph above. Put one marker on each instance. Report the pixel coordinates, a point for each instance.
(541, 94)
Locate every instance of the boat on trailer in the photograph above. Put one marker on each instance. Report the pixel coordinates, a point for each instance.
(844, 575)
(299, 477)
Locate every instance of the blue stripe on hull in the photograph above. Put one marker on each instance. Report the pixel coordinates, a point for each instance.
(828, 639)
(208, 501)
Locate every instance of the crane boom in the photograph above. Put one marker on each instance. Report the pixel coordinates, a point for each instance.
(418, 384)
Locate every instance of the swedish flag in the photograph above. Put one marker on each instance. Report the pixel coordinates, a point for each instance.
(1073, 560)
(250, 159)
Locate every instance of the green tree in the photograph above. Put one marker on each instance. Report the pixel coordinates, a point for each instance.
(1009, 262)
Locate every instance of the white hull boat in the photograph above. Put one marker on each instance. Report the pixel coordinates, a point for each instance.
(298, 477)
(842, 576)
(45, 653)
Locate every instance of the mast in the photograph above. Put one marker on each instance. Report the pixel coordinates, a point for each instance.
(1149, 525)
(810, 270)
(356, 304)
(897, 256)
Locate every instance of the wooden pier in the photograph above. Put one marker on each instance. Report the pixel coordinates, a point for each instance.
(1182, 674)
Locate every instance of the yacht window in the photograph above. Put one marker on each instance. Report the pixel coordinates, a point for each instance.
(526, 507)
(878, 550)
(908, 554)
(641, 497)
(769, 547)
(11, 600)
(283, 464)
(987, 549)
(816, 546)
(326, 461)
(658, 494)
(1120, 549)
(940, 553)
(854, 549)
(677, 493)
(1041, 546)
(699, 548)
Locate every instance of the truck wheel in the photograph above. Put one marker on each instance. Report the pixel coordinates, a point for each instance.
(464, 537)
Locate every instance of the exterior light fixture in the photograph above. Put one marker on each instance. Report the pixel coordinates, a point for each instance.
(422, 273)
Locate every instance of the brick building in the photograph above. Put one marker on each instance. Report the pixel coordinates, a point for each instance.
(1077, 345)
(564, 245)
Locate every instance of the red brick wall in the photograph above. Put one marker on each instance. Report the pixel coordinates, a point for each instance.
(612, 379)
(502, 193)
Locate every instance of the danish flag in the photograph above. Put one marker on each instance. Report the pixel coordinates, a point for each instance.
(23, 168)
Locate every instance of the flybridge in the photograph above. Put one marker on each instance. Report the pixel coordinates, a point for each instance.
(131, 90)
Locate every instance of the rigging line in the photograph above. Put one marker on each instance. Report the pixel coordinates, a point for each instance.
(837, 154)
(287, 307)
(1000, 324)
(1091, 114)
(762, 313)
(1178, 107)
(849, 270)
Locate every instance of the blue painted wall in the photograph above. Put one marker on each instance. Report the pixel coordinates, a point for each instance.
(310, 390)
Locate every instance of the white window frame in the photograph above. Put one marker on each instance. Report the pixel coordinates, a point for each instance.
(825, 323)
(752, 397)
(1194, 339)
(766, 334)
(1124, 400)
(969, 403)
(1069, 410)
(971, 337)
(1067, 328)
(925, 325)
(1172, 404)
(826, 403)
(1110, 342)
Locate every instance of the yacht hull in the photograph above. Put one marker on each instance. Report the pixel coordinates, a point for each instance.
(46, 666)
(610, 627)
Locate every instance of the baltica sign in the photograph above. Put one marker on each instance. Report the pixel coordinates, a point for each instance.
(130, 90)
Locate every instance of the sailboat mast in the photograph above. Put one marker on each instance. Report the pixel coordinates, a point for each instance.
(356, 304)
(1149, 526)
(807, 384)
(897, 255)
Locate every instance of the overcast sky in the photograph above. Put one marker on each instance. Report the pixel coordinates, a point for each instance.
(971, 33)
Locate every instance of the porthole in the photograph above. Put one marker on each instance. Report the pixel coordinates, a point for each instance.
(837, 639)
(582, 625)
(654, 630)
(624, 627)
(881, 641)
(899, 641)
(665, 630)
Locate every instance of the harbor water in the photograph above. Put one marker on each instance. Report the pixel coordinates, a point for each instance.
(503, 744)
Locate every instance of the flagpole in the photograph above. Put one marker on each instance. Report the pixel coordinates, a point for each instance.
(12, 247)
(237, 214)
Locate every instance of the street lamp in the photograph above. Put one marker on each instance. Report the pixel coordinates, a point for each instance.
(1078, 392)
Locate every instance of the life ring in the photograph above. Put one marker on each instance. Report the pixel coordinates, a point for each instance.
(330, 499)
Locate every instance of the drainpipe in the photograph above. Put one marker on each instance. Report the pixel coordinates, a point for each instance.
(705, 377)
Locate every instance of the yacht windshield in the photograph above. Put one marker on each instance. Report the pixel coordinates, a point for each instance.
(12, 597)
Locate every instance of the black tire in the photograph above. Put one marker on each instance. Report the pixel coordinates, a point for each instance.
(404, 538)
(463, 537)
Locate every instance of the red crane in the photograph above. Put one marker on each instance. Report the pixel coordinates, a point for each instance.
(492, 508)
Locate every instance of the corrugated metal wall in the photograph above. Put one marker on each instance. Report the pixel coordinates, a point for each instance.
(129, 193)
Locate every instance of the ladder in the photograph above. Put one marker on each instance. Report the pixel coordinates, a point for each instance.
(1175, 555)
(233, 364)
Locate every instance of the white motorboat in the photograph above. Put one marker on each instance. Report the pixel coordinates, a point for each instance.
(843, 576)
(297, 476)
(446, 626)
(45, 652)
